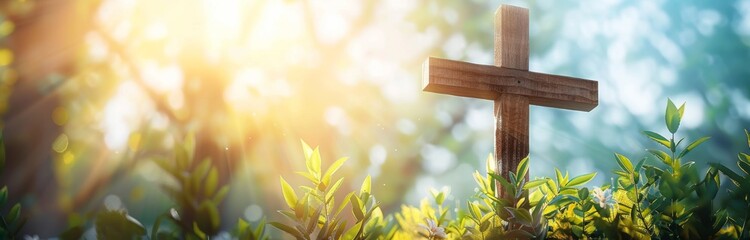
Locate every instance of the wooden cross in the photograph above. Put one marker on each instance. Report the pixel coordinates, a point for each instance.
(510, 85)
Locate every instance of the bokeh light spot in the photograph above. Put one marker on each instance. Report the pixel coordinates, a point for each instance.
(6, 57)
(60, 144)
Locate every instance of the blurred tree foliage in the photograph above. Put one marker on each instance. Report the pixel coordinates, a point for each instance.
(93, 92)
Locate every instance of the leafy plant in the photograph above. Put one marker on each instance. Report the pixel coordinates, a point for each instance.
(316, 215)
(10, 223)
(197, 192)
(741, 190)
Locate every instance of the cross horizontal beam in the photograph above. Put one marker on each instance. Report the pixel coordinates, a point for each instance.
(489, 82)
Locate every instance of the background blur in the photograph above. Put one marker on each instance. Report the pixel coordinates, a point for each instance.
(92, 91)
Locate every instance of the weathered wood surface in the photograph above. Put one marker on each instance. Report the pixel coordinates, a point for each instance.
(511, 132)
(510, 85)
(512, 37)
(489, 82)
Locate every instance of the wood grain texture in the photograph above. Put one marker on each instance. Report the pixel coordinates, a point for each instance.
(489, 82)
(511, 132)
(510, 85)
(512, 37)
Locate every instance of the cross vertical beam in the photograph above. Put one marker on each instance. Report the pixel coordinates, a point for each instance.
(511, 111)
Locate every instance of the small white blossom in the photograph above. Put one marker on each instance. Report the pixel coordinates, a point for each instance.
(434, 231)
(603, 198)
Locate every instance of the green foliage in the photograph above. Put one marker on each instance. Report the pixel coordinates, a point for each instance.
(317, 215)
(661, 197)
(197, 192)
(665, 200)
(10, 223)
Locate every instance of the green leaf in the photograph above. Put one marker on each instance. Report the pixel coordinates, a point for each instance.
(657, 138)
(624, 163)
(260, 229)
(208, 218)
(221, 194)
(288, 229)
(474, 210)
(306, 149)
(583, 193)
(117, 225)
(490, 161)
(744, 158)
(366, 186)
(692, 145)
(181, 157)
(744, 166)
(357, 208)
(289, 195)
(313, 164)
(332, 169)
(729, 173)
(521, 215)
(583, 179)
(3, 195)
(661, 155)
(535, 183)
(673, 116)
(197, 231)
(308, 176)
(747, 134)
(440, 198)
(201, 171)
(560, 177)
(333, 189)
(523, 168)
(212, 181)
(311, 223)
(14, 213)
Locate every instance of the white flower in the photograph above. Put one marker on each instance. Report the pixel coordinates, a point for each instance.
(433, 230)
(603, 198)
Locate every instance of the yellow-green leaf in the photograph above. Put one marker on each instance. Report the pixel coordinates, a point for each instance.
(365, 186)
(580, 180)
(313, 163)
(306, 149)
(673, 116)
(332, 169)
(208, 217)
(624, 163)
(664, 157)
(523, 168)
(333, 189)
(288, 229)
(693, 145)
(357, 208)
(657, 138)
(560, 177)
(212, 181)
(490, 164)
(14, 213)
(221, 194)
(289, 196)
